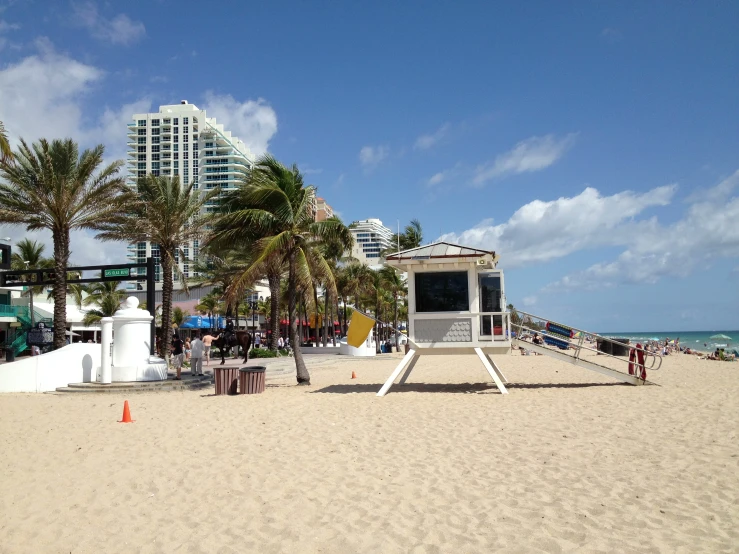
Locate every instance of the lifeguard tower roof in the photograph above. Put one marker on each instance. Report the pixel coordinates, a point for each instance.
(440, 251)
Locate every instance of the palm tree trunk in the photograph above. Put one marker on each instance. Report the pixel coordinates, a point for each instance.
(167, 285)
(346, 323)
(61, 258)
(237, 317)
(377, 327)
(325, 318)
(316, 322)
(302, 372)
(274, 309)
(395, 322)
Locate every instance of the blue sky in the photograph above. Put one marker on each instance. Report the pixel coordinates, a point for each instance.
(592, 144)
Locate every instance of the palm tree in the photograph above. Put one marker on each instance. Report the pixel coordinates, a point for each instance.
(29, 255)
(50, 185)
(78, 291)
(273, 206)
(6, 153)
(167, 214)
(107, 306)
(411, 237)
(395, 285)
(179, 316)
(209, 305)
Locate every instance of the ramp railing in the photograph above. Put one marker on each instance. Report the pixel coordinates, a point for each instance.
(543, 334)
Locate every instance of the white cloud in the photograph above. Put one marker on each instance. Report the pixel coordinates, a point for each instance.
(4, 28)
(532, 154)
(253, 121)
(529, 301)
(109, 129)
(424, 142)
(541, 231)
(118, 30)
(437, 178)
(370, 156)
(703, 235)
(41, 96)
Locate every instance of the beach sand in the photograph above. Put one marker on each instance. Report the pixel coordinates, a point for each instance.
(568, 461)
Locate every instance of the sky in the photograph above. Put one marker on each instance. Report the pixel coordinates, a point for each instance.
(592, 144)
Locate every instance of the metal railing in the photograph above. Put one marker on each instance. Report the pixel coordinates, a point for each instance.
(527, 326)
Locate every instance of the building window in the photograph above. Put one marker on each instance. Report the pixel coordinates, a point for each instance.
(142, 140)
(166, 121)
(209, 145)
(155, 148)
(142, 157)
(155, 173)
(155, 131)
(142, 173)
(176, 165)
(186, 129)
(142, 149)
(195, 140)
(142, 165)
(142, 123)
(176, 121)
(155, 157)
(185, 138)
(176, 171)
(176, 130)
(155, 123)
(176, 156)
(176, 138)
(185, 121)
(176, 147)
(142, 132)
(155, 165)
(185, 155)
(155, 140)
(442, 291)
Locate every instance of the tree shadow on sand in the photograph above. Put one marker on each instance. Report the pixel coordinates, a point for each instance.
(458, 388)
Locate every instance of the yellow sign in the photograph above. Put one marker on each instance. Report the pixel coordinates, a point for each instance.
(360, 327)
(312, 320)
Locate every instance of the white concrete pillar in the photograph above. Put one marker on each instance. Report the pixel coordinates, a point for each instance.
(106, 342)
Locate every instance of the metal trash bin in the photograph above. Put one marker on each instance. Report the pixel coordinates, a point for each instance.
(9, 355)
(227, 380)
(622, 348)
(251, 379)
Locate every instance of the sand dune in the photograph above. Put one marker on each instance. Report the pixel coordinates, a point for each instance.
(567, 461)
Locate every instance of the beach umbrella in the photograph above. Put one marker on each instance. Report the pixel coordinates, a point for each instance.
(720, 337)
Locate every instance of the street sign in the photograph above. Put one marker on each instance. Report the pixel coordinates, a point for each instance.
(118, 272)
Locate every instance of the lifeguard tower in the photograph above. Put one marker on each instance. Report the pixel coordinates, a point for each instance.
(456, 305)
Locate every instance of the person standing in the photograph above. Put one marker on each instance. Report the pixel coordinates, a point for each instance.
(187, 349)
(178, 355)
(257, 340)
(196, 357)
(280, 343)
(207, 342)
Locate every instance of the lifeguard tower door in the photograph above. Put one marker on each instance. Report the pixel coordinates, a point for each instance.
(490, 300)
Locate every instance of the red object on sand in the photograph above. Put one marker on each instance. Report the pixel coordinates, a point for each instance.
(126, 414)
(637, 356)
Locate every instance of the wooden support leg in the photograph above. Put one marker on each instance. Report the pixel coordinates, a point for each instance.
(394, 375)
(411, 365)
(496, 368)
(491, 371)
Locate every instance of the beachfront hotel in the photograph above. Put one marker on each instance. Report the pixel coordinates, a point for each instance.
(371, 237)
(180, 140)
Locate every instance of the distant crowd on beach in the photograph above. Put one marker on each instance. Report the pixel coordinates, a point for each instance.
(670, 347)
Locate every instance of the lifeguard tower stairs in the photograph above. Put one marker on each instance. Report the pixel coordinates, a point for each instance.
(581, 348)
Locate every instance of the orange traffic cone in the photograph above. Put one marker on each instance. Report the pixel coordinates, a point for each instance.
(354, 375)
(126, 414)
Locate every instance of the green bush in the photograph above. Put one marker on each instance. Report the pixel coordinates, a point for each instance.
(262, 353)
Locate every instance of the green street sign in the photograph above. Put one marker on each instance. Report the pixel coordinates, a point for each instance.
(122, 272)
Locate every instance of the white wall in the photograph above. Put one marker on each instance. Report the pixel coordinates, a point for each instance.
(74, 363)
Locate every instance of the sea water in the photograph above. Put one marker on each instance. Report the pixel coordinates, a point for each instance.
(697, 340)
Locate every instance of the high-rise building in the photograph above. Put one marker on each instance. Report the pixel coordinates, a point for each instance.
(371, 237)
(322, 210)
(180, 140)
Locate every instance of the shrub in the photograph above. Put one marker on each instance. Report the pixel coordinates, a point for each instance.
(262, 353)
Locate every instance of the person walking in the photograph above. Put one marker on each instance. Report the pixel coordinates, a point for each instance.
(207, 342)
(178, 355)
(187, 349)
(196, 358)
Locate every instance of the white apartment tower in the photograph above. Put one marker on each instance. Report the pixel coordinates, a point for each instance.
(370, 238)
(181, 140)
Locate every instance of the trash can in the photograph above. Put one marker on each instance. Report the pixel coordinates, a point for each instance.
(251, 379)
(622, 348)
(9, 355)
(603, 346)
(227, 380)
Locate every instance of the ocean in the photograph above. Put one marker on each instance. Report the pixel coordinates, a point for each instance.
(698, 340)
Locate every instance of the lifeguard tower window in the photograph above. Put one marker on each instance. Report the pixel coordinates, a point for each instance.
(442, 291)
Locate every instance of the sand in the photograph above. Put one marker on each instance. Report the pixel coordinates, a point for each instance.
(568, 461)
